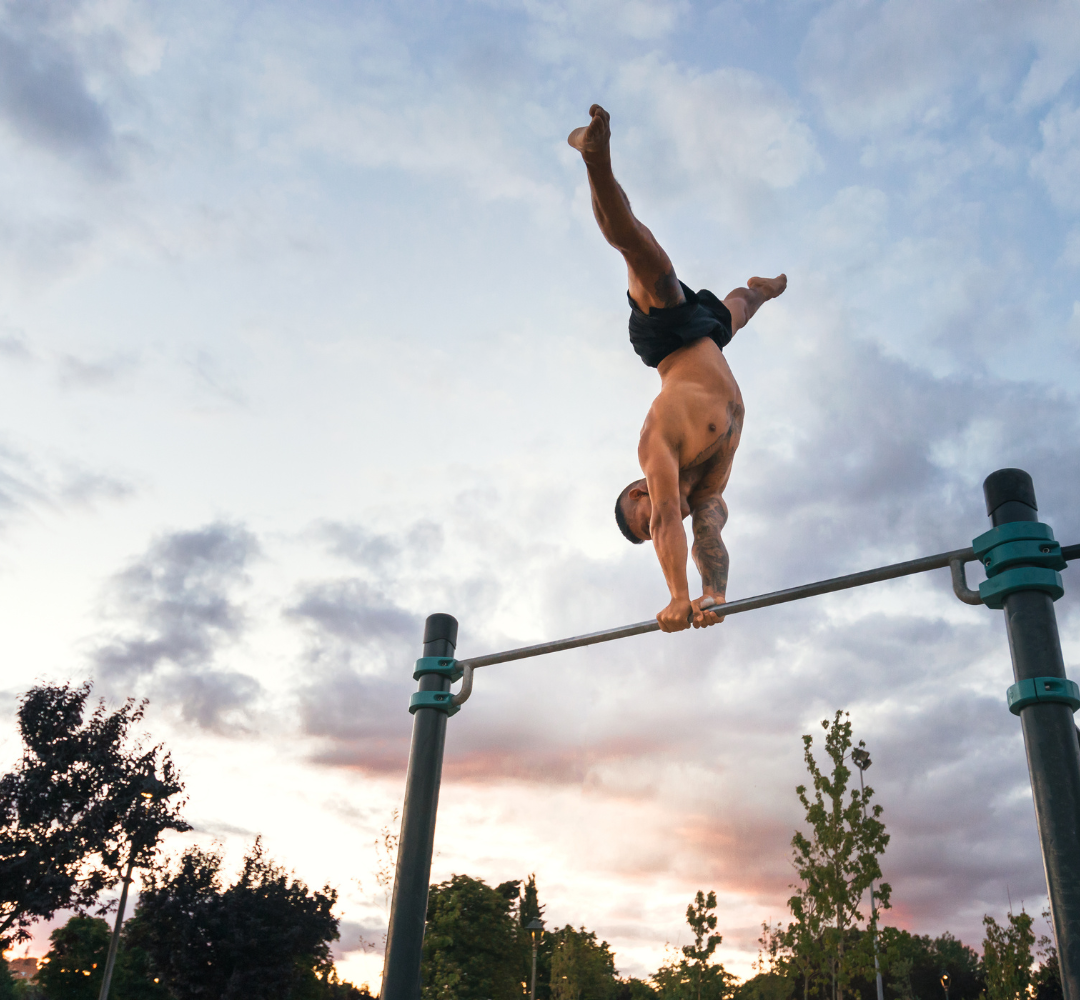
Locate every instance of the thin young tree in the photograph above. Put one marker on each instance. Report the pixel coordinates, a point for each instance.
(836, 864)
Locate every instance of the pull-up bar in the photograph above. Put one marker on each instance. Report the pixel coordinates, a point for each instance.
(955, 560)
(1022, 561)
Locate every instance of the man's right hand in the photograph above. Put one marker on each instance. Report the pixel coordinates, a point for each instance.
(676, 616)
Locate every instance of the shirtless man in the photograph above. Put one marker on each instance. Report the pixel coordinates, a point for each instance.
(690, 434)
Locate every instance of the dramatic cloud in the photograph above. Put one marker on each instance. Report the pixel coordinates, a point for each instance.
(175, 609)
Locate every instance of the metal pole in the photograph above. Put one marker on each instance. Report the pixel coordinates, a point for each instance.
(892, 572)
(532, 982)
(873, 905)
(408, 911)
(115, 942)
(1049, 733)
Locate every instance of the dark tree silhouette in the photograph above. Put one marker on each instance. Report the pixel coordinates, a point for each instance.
(72, 805)
(264, 936)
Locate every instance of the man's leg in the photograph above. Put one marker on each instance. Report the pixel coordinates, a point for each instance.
(742, 303)
(652, 281)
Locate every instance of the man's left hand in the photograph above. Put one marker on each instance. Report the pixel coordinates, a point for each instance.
(704, 617)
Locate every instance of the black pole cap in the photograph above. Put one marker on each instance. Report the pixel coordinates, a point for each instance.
(441, 627)
(1008, 486)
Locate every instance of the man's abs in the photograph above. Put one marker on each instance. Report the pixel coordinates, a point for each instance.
(702, 409)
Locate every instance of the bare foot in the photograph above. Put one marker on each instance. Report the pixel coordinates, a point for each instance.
(769, 287)
(592, 140)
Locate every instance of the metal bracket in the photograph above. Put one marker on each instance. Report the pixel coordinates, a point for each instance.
(994, 591)
(959, 580)
(1042, 690)
(1018, 555)
(441, 700)
(445, 665)
(466, 687)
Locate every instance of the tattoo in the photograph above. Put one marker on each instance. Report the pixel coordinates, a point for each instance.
(668, 290)
(709, 552)
(735, 423)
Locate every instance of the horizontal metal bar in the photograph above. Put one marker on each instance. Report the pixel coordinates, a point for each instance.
(892, 572)
(1070, 552)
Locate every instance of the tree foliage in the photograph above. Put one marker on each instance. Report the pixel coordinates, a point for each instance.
(1007, 956)
(835, 864)
(581, 967)
(73, 803)
(695, 976)
(266, 935)
(473, 942)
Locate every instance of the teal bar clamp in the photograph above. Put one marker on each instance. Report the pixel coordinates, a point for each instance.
(442, 700)
(1043, 690)
(1019, 555)
(445, 665)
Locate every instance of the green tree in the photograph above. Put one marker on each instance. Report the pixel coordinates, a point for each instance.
(695, 976)
(581, 967)
(836, 864)
(472, 945)
(266, 935)
(75, 964)
(1007, 956)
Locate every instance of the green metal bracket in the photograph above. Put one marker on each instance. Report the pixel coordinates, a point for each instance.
(994, 591)
(442, 700)
(1020, 555)
(1040, 690)
(445, 665)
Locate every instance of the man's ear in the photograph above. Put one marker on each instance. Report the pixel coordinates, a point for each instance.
(636, 493)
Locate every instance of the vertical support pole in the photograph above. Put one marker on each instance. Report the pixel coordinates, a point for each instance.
(1053, 754)
(408, 911)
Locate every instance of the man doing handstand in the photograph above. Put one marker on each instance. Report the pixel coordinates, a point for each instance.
(692, 429)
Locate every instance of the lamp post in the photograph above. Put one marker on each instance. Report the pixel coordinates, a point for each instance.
(861, 759)
(152, 789)
(536, 928)
(945, 983)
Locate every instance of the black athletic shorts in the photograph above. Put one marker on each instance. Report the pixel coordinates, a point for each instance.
(659, 332)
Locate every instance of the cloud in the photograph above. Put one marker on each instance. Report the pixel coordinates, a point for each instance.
(43, 92)
(175, 609)
(80, 374)
(728, 129)
(1057, 164)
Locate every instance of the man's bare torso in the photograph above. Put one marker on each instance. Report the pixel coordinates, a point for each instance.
(699, 413)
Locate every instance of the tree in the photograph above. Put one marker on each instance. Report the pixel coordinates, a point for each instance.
(1007, 956)
(68, 806)
(581, 968)
(264, 936)
(835, 865)
(1047, 979)
(530, 909)
(472, 945)
(694, 976)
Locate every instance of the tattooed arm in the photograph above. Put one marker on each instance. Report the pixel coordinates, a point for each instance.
(710, 555)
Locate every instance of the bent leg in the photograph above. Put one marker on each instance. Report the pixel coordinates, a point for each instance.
(651, 278)
(742, 303)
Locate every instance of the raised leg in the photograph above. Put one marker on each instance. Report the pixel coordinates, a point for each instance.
(742, 303)
(651, 278)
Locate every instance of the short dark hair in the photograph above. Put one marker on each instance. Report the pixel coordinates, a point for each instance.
(620, 516)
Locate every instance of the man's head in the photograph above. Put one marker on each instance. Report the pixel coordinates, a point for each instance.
(633, 511)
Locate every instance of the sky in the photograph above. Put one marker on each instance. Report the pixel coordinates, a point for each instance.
(306, 332)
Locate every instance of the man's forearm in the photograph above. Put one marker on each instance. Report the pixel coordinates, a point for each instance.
(710, 553)
(669, 541)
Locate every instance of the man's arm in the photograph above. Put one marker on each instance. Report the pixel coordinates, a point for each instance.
(710, 554)
(660, 464)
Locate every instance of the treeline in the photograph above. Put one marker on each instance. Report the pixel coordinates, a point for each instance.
(83, 808)
(478, 947)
